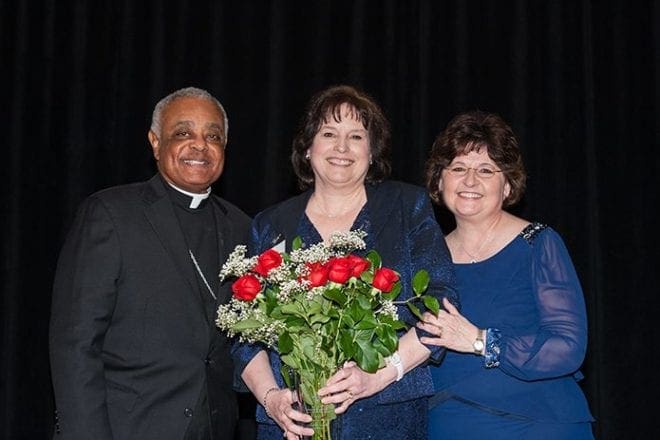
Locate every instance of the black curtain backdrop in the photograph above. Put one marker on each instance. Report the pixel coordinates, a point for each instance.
(577, 79)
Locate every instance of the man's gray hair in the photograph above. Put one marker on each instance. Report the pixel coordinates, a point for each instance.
(187, 92)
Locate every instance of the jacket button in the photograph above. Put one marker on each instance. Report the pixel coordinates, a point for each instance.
(188, 412)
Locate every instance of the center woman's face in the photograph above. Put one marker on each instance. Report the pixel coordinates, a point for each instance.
(340, 151)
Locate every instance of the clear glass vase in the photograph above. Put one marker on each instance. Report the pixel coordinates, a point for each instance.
(306, 386)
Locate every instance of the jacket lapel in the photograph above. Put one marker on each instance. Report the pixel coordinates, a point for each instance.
(381, 199)
(223, 231)
(160, 214)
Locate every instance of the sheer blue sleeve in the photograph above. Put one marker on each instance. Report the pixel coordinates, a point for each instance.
(557, 346)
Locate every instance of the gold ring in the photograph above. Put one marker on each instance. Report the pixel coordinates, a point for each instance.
(350, 394)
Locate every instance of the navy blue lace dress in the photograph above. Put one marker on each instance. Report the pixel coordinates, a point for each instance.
(400, 225)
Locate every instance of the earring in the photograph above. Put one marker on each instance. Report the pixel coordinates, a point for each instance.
(371, 160)
(307, 155)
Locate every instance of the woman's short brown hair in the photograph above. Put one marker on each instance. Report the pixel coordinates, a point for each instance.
(326, 104)
(472, 131)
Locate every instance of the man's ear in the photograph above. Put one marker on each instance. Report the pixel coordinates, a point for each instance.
(155, 144)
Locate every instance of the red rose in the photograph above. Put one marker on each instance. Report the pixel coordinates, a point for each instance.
(358, 265)
(339, 270)
(267, 261)
(318, 274)
(246, 288)
(384, 279)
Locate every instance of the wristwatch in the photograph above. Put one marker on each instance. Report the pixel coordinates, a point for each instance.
(395, 360)
(478, 344)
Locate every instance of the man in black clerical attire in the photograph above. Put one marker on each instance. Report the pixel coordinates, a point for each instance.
(134, 350)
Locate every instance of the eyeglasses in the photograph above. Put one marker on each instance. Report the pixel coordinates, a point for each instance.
(483, 172)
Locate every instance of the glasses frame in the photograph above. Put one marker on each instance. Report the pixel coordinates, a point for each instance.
(450, 170)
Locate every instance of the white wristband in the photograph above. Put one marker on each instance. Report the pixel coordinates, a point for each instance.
(395, 360)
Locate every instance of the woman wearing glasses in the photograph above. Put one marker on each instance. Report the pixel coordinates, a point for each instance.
(515, 349)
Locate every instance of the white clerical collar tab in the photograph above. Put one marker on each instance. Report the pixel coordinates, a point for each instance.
(196, 198)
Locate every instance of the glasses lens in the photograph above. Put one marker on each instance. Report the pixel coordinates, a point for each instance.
(483, 172)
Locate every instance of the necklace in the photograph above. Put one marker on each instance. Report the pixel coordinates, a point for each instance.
(351, 208)
(201, 274)
(474, 257)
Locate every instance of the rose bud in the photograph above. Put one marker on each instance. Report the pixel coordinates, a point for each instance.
(267, 261)
(384, 279)
(246, 288)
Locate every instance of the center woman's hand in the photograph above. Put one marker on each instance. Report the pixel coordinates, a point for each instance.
(279, 405)
(349, 384)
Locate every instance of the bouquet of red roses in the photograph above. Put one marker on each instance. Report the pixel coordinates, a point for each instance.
(319, 307)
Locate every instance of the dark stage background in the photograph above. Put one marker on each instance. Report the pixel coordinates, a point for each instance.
(577, 79)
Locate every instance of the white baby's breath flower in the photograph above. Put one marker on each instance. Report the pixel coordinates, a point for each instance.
(290, 288)
(316, 253)
(279, 274)
(237, 263)
(387, 307)
(345, 242)
(315, 292)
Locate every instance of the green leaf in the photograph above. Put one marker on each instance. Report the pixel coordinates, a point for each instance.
(318, 318)
(366, 357)
(308, 347)
(420, 282)
(346, 343)
(270, 298)
(285, 343)
(380, 348)
(247, 324)
(364, 302)
(396, 289)
(367, 323)
(355, 312)
(297, 243)
(431, 303)
(292, 361)
(374, 259)
(415, 310)
(292, 309)
(295, 323)
(314, 308)
(335, 295)
(399, 325)
(367, 276)
(390, 340)
(347, 320)
(285, 372)
(363, 337)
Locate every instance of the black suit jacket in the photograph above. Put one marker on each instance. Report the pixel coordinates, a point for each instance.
(131, 345)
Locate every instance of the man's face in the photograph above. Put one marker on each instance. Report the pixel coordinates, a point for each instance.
(191, 148)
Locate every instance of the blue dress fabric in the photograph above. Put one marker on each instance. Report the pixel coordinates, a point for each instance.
(400, 225)
(529, 291)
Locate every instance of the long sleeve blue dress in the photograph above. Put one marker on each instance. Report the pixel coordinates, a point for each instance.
(529, 299)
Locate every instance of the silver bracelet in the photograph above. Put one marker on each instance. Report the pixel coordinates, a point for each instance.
(265, 401)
